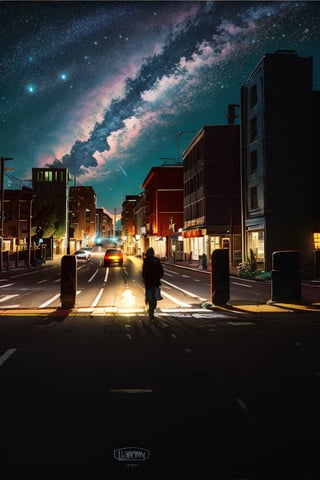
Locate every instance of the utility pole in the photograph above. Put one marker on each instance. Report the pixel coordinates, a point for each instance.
(2, 169)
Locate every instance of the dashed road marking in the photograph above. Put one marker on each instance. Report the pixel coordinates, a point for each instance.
(7, 355)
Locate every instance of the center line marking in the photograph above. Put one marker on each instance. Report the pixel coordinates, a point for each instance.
(242, 284)
(6, 355)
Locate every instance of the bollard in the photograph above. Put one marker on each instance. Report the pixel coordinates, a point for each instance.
(204, 262)
(68, 286)
(220, 276)
(286, 276)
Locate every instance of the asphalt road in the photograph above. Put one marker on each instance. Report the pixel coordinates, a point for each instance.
(189, 396)
(99, 392)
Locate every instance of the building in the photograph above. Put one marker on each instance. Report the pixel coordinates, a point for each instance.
(277, 159)
(104, 225)
(50, 204)
(128, 228)
(163, 190)
(212, 213)
(140, 224)
(82, 217)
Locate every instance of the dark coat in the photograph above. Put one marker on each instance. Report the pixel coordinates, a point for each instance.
(152, 272)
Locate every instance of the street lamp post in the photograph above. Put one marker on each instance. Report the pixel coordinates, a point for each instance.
(3, 159)
(30, 229)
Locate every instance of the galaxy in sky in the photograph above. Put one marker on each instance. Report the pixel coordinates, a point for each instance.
(104, 88)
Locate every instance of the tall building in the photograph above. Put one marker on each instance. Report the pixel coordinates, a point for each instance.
(50, 203)
(104, 225)
(163, 205)
(82, 216)
(277, 159)
(212, 193)
(128, 228)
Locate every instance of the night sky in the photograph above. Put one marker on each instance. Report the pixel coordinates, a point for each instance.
(104, 88)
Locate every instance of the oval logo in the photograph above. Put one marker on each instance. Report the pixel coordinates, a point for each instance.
(131, 454)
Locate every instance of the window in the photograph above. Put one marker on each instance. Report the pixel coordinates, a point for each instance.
(316, 241)
(253, 96)
(253, 129)
(253, 161)
(48, 176)
(254, 198)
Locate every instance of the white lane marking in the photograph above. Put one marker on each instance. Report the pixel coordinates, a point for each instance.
(7, 285)
(171, 271)
(242, 284)
(52, 299)
(43, 281)
(106, 275)
(24, 274)
(185, 276)
(8, 297)
(131, 390)
(96, 300)
(183, 291)
(245, 410)
(7, 307)
(174, 300)
(95, 273)
(6, 355)
(239, 324)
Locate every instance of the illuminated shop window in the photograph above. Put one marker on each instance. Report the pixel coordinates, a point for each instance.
(316, 240)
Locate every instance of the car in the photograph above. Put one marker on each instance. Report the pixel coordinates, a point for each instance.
(82, 254)
(113, 256)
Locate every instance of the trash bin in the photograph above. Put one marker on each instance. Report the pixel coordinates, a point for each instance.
(286, 276)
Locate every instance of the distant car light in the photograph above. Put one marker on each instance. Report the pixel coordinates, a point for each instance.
(113, 256)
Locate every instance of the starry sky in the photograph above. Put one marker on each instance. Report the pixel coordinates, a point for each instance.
(104, 88)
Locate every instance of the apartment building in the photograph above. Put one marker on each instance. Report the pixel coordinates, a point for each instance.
(278, 159)
(104, 225)
(163, 189)
(212, 193)
(82, 216)
(128, 228)
(50, 203)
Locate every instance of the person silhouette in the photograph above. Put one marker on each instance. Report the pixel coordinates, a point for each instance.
(152, 272)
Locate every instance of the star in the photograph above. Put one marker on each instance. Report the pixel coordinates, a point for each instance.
(31, 88)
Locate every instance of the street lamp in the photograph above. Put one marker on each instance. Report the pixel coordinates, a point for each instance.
(29, 229)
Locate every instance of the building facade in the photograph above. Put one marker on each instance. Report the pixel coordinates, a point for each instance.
(163, 189)
(277, 159)
(50, 203)
(212, 213)
(104, 225)
(82, 217)
(128, 227)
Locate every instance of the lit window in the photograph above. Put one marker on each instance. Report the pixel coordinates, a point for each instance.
(316, 240)
(48, 176)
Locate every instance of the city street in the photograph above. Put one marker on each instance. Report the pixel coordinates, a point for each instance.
(99, 392)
